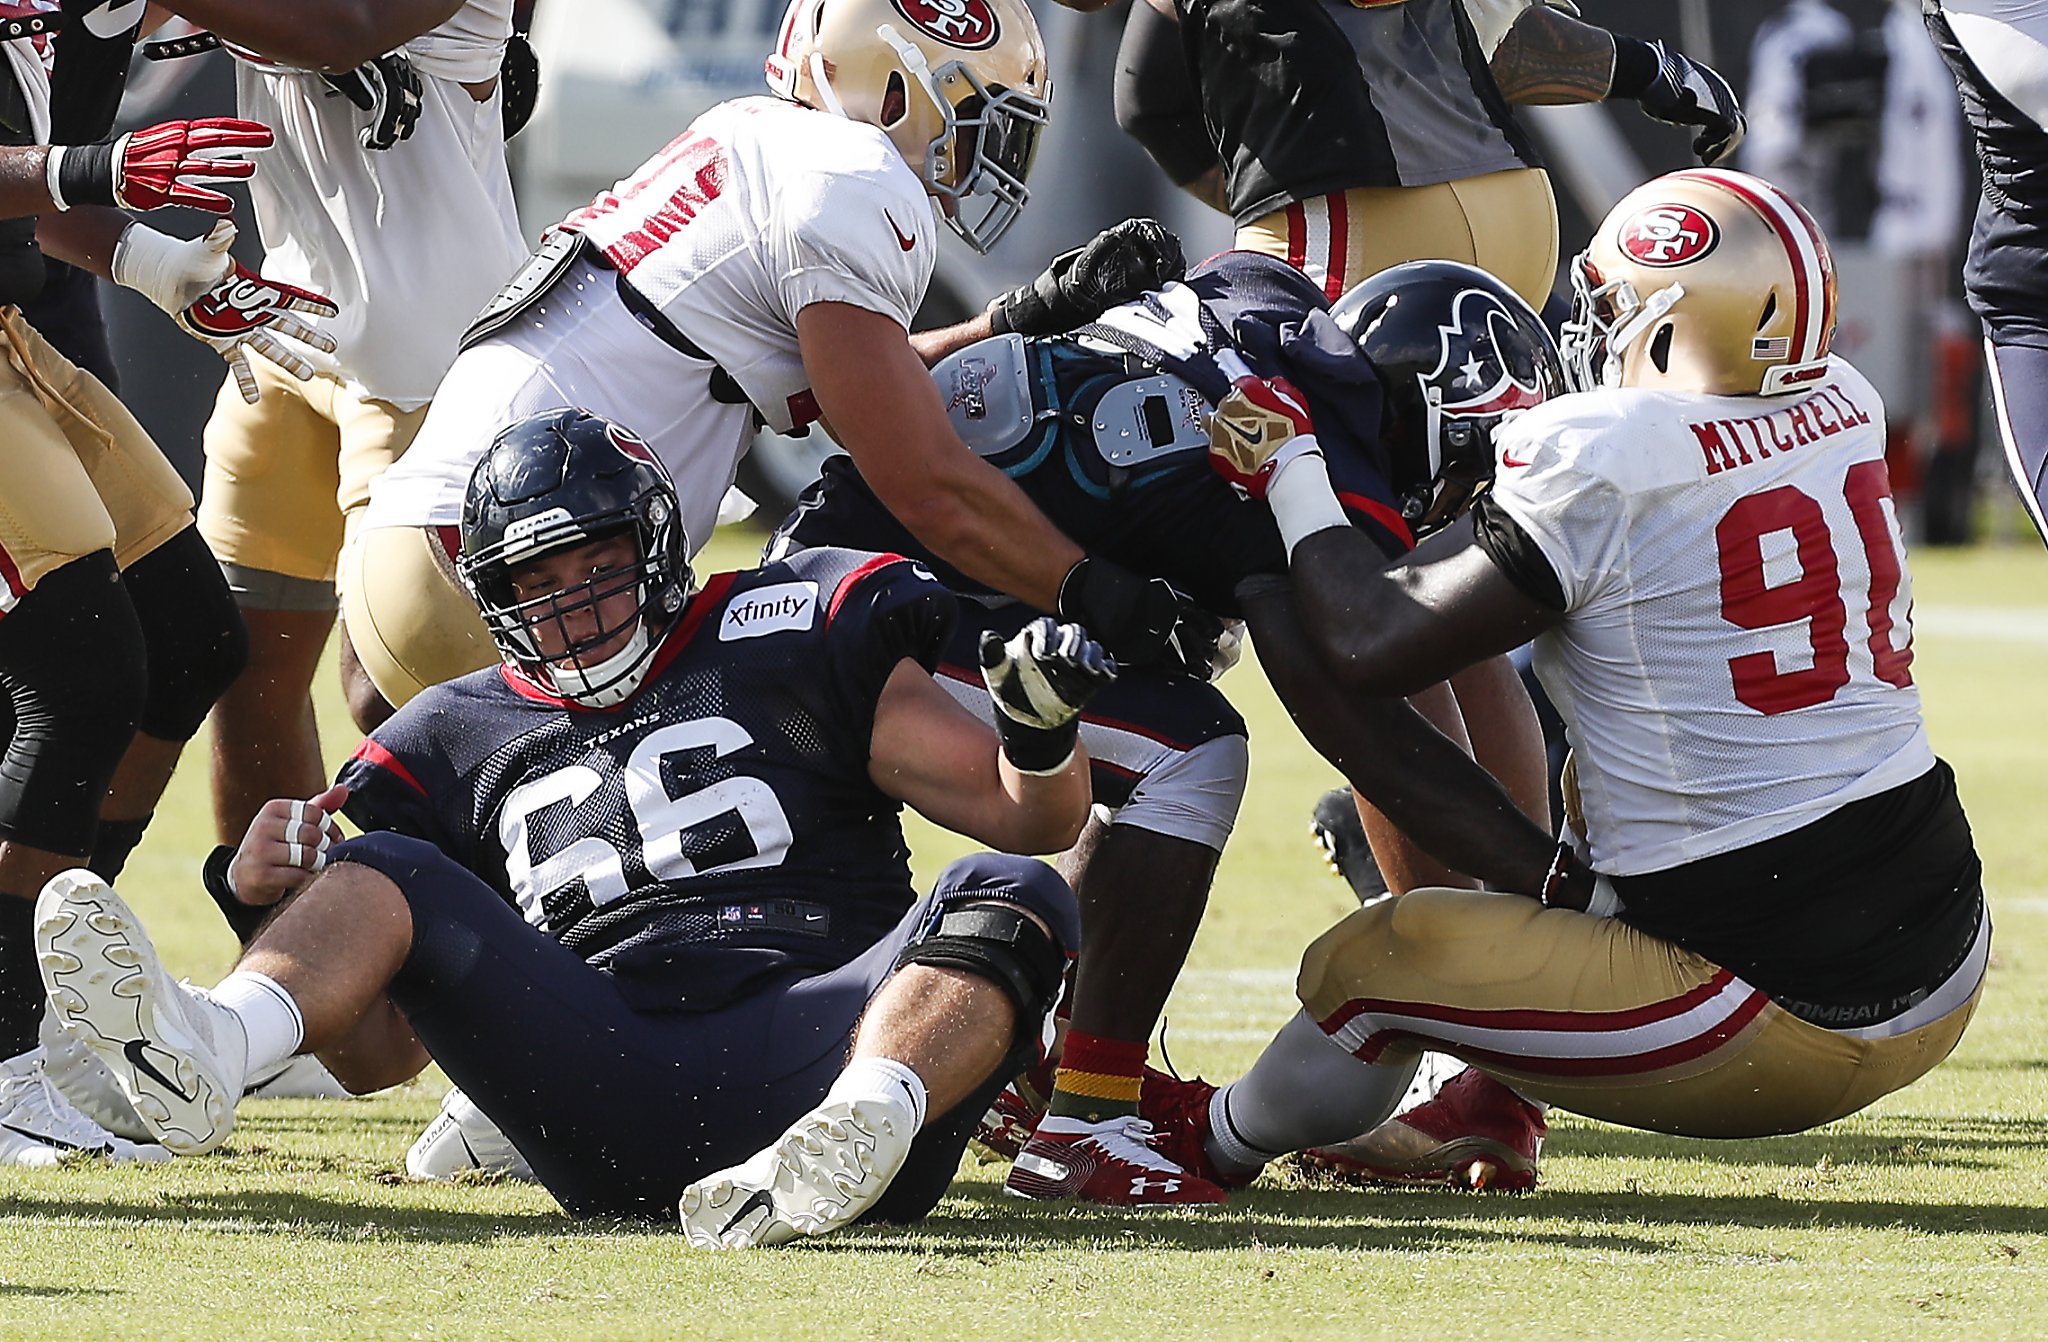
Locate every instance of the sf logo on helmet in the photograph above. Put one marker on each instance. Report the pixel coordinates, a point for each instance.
(1471, 374)
(1668, 235)
(969, 24)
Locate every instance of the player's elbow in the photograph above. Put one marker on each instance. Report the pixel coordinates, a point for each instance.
(1370, 664)
(1048, 829)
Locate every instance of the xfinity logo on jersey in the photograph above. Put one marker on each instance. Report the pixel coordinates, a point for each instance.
(1668, 235)
(1470, 376)
(769, 610)
(962, 23)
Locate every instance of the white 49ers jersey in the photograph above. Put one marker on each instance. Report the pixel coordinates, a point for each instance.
(410, 241)
(760, 209)
(1736, 657)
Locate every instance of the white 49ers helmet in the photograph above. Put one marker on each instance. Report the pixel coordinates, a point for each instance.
(959, 86)
(1703, 280)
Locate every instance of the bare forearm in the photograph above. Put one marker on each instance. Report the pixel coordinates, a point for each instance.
(1043, 813)
(1414, 774)
(1550, 57)
(318, 34)
(23, 188)
(84, 237)
(932, 346)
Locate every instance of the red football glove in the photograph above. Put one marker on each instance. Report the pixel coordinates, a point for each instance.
(171, 163)
(244, 311)
(1260, 426)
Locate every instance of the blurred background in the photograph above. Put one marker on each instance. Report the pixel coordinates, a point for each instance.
(1850, 109)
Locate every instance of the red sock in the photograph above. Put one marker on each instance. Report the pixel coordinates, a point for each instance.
(1098, 1078)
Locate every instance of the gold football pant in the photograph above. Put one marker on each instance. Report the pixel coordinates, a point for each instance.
(80, 475)
(285, 477)
(1503, 222)
(1604, 1020)
(410, 620)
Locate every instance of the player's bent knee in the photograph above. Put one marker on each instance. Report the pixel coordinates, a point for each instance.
(1194, 794)
(1010, 920)
(198, 642)
(416, 867)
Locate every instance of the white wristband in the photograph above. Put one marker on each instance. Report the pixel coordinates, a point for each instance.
(1302, 499)
(50, 162)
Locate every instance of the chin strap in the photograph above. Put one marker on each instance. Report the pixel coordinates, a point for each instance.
(613, 680)
(1636, 327)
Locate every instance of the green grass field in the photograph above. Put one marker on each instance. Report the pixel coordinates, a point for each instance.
(1925, 1217)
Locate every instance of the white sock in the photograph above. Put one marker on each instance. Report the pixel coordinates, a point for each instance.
(881, 1079)
(268, 1014)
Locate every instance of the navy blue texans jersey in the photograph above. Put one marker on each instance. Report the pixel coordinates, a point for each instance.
(1125, 472)
(717, 829)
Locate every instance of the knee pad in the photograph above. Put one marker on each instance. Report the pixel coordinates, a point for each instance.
(197, 641)
(1000, 944)
(1193, 794)
(75, 669)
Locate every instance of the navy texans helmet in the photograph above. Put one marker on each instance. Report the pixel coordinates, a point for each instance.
(1456, 350)
(564, 478)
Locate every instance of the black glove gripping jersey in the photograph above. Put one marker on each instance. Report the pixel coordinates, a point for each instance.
(716, 830)
(1168, 515)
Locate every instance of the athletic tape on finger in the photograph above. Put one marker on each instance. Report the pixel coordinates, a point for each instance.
(295, 853)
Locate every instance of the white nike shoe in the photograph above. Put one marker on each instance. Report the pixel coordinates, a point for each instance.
(826, 1170)
(40, 1128)
(463, 1140)
(299, 1077)
(79, 1075)
(178, 1055)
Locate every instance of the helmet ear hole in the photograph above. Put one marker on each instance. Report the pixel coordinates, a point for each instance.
(895, 101)
(1660, 347)
(1770, 310)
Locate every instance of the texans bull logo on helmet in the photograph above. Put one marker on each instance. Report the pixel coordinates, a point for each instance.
(967, 24)
(1473, 375)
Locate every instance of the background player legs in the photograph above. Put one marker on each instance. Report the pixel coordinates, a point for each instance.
(266, 742)
(369, 708)
(2019, 385)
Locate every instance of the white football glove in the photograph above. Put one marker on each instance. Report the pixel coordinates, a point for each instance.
(216, 300)
(1040, 679)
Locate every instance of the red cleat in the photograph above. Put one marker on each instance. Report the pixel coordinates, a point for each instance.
(1179, 1114)
(1475, 1134)
(1112, 1164)
(1006, 1128)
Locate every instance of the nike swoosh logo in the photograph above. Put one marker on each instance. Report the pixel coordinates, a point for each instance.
(904, 242)
(136, 1051)
(1507, 460)
(1242, 432)
(47, 1140)
(111, 21)
(758, 1200)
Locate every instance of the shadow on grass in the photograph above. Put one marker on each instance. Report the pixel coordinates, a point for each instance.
(310, 1216)
(1946, 1141)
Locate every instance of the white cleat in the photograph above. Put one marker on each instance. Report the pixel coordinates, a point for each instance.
(299, 1077)
(177, 1054)
(39, 1128)
(463, 1140)
(820, 1175)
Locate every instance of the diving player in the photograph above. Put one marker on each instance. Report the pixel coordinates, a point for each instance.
(639, 887)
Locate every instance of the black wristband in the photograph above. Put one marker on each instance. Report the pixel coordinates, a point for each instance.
(86, 174)
(1037, 750)
(243, 919)
(1569, 882)
(1636, 66)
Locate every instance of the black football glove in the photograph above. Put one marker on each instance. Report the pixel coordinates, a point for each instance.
(1119, 264)
(389, 89)
(1141, 621)
(1040, 680)
(1687, 92)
